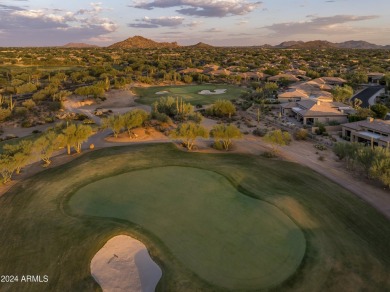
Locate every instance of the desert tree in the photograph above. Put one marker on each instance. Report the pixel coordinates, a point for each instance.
(20, 152)
(221, 108)
(188, 132)
(134, 119)
(115, 123)
(342, 94)
(74, 135)
(224, 134)
(7, 167)
(277, 138)
(46, 145)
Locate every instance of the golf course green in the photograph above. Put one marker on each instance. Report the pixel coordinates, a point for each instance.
(212, 222)
(189, 93)
(224, 236)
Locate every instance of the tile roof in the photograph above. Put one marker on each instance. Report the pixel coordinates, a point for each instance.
(375, 125)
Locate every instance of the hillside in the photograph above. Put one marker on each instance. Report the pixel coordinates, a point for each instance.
(318, 44)
(79, 45)
(201, 45)
(141, 42)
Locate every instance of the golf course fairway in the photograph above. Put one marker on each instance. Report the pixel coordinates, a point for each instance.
(212, 222)
(223, 236)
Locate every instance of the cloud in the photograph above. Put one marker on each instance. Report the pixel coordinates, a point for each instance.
(317, 25)
(213, 30)
(205, 8)
(164, 21)
(54, 26)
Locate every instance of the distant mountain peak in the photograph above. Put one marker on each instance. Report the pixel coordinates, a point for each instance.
(142, 42)
(201, 45)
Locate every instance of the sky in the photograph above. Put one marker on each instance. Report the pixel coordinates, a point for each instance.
(216, 22)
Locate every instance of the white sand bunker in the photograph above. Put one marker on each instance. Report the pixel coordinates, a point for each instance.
(216, 91)
(162, 92)
(124, 264)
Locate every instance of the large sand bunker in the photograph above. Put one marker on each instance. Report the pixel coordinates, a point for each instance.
(124, 264)
(216, 91)
(162, 92)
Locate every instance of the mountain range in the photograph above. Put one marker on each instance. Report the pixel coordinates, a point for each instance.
(329, 45)
(142, 42)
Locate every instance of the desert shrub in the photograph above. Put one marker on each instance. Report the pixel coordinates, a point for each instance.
(300, 134)
(218, 145)
(27, 124)
(161, 117)
(21, 111)
(49, 120)
(4, 114)
(29, 103)
(55, 106)
(320, 147)
(321, 128)
(260, 132)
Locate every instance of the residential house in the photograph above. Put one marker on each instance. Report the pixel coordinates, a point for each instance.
(310, 112)
(371, 132)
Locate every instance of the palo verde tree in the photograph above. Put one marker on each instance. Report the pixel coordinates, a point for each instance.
(46, 145)
(342, 94)
(115, 123)
(380, 110)
(224, 134)
(74, 135)
(188, 132)
(21, 153)
(222, 108)
(134, 119)
(7, 167)
(277, 137)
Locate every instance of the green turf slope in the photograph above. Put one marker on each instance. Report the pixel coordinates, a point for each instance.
(347, 241)
(227, 238)
(189, 93)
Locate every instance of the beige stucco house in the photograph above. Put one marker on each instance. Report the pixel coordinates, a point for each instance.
(371, 132)
(311, 111)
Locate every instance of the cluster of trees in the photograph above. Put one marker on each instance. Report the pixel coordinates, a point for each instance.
(176, 109)
(222, 134)
(16, 156)
(372, 162)
(378, 111)
(342, 94)
(127, 121)
(222, 108)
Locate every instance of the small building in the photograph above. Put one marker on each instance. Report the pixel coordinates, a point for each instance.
(310, 112)
(375, 77)
(371, 132)
(280, 77)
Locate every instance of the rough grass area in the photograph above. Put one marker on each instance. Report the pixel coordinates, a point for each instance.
(189, 93)
(347, 241)
(224, 236)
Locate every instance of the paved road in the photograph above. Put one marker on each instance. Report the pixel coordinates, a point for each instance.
(366, 94)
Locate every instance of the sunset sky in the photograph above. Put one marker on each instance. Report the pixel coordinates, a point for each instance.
(216, 22)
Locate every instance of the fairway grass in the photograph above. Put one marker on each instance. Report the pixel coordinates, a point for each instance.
(347, 241)
(189, 93)
(225, 237)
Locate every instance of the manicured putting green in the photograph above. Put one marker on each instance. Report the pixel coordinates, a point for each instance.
(189, 93)
(222, 235)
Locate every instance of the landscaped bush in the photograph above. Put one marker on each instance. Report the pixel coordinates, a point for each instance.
(300, 134)
(4, 114)
(259, 132)
(21, 111)
(320, 147)
(29, 103)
